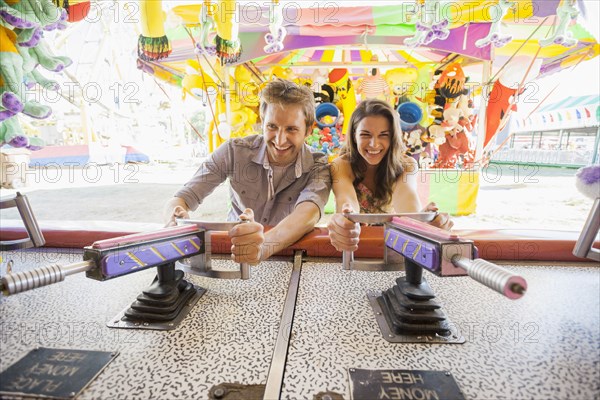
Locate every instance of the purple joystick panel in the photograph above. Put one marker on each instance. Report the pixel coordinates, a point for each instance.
(133, 258)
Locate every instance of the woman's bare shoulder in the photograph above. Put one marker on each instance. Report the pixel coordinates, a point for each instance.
(409, 164)
(341, 165)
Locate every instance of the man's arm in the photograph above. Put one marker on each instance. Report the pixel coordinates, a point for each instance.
(211, 174)
(175, 208)
(250, 244)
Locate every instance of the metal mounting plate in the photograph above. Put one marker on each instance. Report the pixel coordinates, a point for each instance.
(122, 322)
(454, 338)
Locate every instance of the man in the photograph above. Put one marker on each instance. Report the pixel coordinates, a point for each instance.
(274, 178)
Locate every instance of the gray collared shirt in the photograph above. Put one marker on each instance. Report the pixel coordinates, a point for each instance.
(244, 161)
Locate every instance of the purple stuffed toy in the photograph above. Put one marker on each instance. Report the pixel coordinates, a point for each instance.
(588, 181)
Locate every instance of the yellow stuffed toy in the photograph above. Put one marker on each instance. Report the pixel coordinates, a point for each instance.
(340, 80)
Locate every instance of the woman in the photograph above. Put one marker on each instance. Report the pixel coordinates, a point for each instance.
(373, 174)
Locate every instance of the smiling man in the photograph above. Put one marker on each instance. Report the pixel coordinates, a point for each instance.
(275, 179)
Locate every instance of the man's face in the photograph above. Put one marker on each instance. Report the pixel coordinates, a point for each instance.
(284, 131)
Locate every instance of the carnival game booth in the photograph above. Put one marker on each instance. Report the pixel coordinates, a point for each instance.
(442, 57)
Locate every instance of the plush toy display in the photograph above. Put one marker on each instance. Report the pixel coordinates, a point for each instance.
(30, 17)
(11, 81)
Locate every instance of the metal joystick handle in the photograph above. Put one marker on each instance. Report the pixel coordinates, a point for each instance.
(18, 282)
(493, 276)
(348, 256)
(203, 267)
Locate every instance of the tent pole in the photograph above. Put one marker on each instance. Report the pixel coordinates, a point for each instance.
(596, 147)
(227, 93)
(481, 119)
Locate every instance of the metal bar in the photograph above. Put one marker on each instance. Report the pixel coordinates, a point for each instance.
(210, 225)
(277, 368)
(382, 218)
(584, 246)
(348, 262)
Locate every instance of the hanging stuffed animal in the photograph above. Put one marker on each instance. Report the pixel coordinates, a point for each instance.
(495, 36)
(503, 97)
(565, 13)
(229, 47)
(207, 44)
(153, 44)
(277, 31)
(373, 86)
(501, 103)
(447, 89)
(432, 25)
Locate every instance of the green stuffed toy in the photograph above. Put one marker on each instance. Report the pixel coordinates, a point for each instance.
(29, 17)
(11, 81)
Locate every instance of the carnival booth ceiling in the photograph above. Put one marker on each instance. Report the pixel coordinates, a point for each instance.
(331, 36)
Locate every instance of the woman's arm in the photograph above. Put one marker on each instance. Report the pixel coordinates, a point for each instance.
(343, 233)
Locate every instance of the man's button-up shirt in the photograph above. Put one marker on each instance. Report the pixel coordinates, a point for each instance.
(243, 161)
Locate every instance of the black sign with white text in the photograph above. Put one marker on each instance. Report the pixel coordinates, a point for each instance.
(399, 384)
(53, 373)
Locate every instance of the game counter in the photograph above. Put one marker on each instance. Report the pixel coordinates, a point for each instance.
(303, 327)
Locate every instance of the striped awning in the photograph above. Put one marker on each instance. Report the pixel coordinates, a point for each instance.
(572, 102)
(570, 113)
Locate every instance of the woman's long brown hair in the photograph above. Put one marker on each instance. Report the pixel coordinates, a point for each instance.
(392, 165)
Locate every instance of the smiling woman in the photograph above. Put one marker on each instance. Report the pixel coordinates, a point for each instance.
(373, 174)
(373, 162)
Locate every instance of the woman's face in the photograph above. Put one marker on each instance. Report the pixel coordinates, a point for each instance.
(373, 138)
